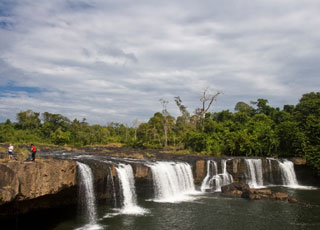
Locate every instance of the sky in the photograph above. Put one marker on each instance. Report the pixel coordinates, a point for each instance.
(110, 61)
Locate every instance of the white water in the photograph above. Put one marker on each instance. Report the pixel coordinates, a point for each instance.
(87, 189)
(288, 174)
(213, 180)
(173, 182)
(205, 183)
(254, 169)
(126, 178)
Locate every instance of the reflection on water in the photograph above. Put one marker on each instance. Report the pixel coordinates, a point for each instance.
(209, 211)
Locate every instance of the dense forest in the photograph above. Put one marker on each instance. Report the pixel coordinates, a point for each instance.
(254, 129)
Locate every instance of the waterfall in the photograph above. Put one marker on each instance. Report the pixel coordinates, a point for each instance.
(87, 192)
(205, 182)
(254, 169)
(172, 181)
(213, 180)
(288, 174)
(126, 178)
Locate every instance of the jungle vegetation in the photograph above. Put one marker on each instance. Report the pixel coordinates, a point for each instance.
(253, 129)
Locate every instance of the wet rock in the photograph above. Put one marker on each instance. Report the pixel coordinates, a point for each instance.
(242, 190)
(280, 196)
(235, 189)
(141, 171)
(200, 171)
(292, 200)
(298, 161)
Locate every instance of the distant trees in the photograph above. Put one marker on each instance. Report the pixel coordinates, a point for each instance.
(28, 120)
(255, 129)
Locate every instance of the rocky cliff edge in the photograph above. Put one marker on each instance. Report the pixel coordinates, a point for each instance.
(31, 181)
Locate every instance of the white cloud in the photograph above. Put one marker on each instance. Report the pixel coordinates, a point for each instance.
(113, 60)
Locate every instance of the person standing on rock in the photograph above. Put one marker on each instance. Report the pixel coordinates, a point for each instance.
(33, 152)
(10, 152)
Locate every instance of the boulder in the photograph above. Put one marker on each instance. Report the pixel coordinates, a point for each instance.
(243, 190)
(236, 188)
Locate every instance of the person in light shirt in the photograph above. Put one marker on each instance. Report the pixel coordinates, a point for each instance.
(10, 152)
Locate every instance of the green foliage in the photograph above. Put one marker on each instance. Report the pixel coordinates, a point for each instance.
(28, 120)
(249, 131)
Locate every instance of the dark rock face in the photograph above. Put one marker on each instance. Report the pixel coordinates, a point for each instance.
(36, 185)
(143, 180)
(200, 171)
(242, 190)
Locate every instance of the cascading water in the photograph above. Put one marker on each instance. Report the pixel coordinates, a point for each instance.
(211, 166)
(173, 182)
(126, 179)
(288, 174)
(213, 180)
(87, 192)
(254, 169)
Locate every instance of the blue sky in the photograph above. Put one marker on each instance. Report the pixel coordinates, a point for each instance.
(113, 60)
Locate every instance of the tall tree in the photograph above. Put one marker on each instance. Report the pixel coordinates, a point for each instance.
(166, 115)
(207, 100)
(28, 120)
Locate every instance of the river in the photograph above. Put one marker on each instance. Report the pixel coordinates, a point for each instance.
(206, 211)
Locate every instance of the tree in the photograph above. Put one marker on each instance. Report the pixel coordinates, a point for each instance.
(262, 106)
(183, 109)
(135, 125)
(243, 107)
(207, 97)
(307, 113)
(28, 120)
(165, 120)
(51, 122)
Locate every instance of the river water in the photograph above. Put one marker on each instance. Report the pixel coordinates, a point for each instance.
(206, 211)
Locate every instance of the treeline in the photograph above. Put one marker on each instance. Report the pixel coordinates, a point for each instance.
(49, 128)
(254, 129)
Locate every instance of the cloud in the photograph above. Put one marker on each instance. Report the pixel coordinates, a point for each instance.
(113, 60)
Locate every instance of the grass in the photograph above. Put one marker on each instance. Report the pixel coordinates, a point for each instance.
(181, 151)
(3, 149)
(150, 155)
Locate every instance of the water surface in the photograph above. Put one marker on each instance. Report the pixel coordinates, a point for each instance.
(211, 211)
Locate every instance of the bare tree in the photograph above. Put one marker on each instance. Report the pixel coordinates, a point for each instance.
(135, 125)
(207, 97)
(165, 114)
